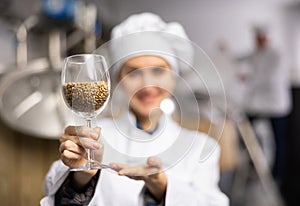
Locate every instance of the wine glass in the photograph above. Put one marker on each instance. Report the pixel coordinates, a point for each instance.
(86, 90)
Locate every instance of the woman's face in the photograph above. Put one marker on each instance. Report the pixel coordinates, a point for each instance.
(146, 80)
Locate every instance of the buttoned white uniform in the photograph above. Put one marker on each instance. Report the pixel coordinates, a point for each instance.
(268, 84)
(192, 180)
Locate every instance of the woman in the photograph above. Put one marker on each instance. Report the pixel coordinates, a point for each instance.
(150, 172)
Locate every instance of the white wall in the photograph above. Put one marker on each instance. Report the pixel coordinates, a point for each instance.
(292, 34)
(208, 21)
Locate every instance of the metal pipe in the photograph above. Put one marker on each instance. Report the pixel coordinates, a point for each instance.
(21, 34)
(21, 46)
(55, 49)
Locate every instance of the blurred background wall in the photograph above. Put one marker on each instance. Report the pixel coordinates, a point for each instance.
(206, 22)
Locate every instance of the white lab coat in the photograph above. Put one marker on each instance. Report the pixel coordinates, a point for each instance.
(268, 84)
(190, 181)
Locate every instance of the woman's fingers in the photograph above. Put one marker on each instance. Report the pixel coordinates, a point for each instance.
(117, 166)
(140, 172)
(71, 146)
(72, 154)
(75, 141)
(132, 171)
(154, 162)
(83, 136)
(69, 155)
(82, 141)
(89, 143)
(127, 170)
(73, 160)
(152, 167)
(83, 131)
(65, 137)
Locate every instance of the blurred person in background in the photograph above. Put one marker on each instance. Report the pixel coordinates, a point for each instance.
(268, 95)
(147, 78)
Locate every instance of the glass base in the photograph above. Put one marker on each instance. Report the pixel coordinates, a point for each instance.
(92, 165)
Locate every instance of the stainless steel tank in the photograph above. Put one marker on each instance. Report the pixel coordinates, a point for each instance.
(30, 102)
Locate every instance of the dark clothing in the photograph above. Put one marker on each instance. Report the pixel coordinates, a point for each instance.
(279, 129)
(67, 195)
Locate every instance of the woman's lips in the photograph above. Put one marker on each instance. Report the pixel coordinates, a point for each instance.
(147, 98)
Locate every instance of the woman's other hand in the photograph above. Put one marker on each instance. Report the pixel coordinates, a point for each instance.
(151, 172)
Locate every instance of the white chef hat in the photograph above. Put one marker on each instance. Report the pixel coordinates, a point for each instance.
(147, 33)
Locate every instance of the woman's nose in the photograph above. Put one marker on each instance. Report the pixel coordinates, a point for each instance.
(148, 79)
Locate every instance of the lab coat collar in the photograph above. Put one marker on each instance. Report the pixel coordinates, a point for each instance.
(129, 118)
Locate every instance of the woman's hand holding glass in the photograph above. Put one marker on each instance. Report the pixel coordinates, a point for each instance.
(72, 149)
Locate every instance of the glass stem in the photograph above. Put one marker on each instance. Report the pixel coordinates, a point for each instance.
(89, 124)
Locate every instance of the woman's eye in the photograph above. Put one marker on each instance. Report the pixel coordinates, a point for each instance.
(134, 73)
(158, 70)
